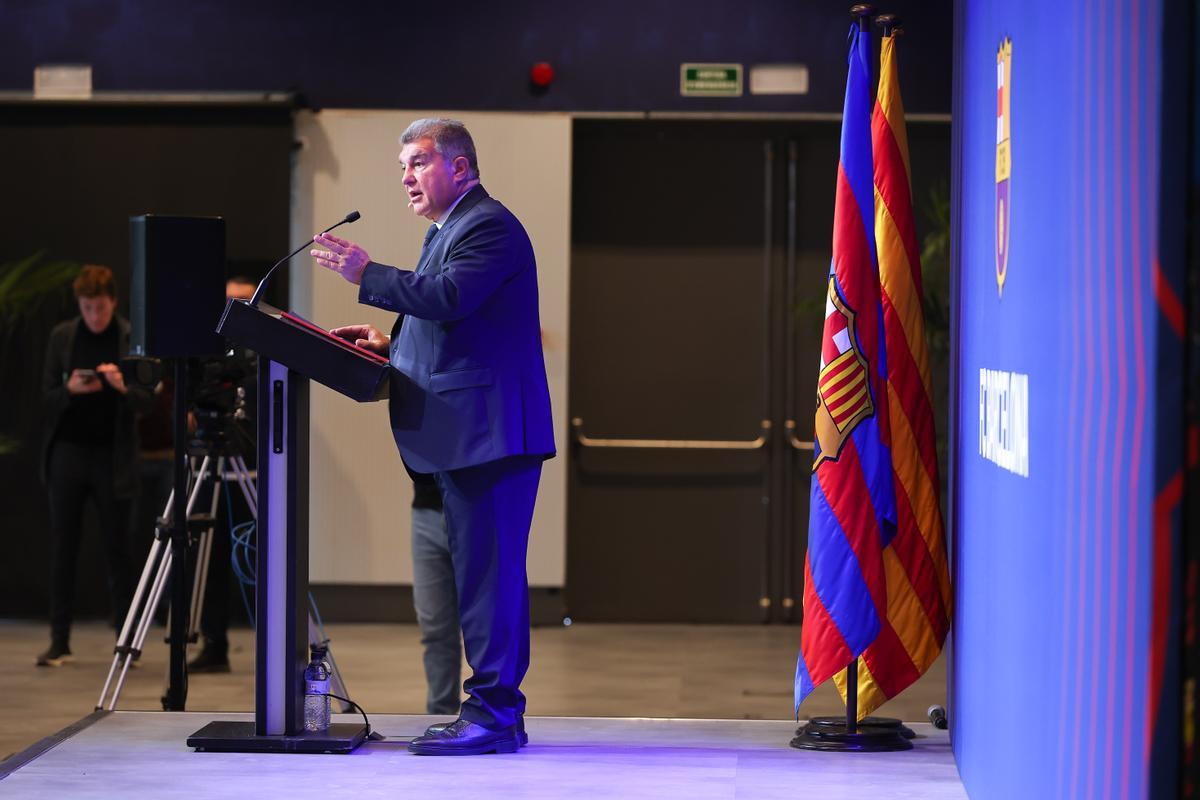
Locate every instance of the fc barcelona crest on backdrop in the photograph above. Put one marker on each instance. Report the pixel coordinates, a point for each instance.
(1003, 158)
(844, 380)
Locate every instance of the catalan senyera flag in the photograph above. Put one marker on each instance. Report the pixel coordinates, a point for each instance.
(852, 513)
(915, 565)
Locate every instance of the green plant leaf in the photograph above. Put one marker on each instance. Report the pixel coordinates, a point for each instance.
(26, 285)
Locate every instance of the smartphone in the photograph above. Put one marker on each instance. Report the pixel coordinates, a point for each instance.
(90, 374)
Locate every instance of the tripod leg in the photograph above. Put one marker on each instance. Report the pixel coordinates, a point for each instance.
(132, 622)
(122, 650)
(249, 490)
(251, 481)
(205, 465)
(162, 545)
(195, 482)
(155, 549)
(204, 552)
(156, 593)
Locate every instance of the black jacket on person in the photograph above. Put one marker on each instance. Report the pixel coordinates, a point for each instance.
(56, 398)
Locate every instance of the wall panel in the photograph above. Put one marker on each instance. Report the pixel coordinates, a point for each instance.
(1054, 574)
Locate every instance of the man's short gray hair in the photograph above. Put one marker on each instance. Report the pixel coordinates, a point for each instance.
(450, 138)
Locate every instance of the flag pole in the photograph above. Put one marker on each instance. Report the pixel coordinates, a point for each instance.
(863, 12)
(890, 23)
(852, 697)
(848, 735)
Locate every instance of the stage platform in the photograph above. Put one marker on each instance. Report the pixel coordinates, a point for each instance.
(134, 754)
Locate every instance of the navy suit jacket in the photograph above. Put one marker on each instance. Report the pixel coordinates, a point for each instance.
(469, 384)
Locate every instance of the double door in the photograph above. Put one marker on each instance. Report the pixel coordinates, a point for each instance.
(698, 263)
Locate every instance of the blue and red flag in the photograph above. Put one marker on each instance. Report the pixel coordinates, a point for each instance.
(852, 513)
(915, 563)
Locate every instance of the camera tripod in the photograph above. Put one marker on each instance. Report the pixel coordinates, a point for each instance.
(214, 471)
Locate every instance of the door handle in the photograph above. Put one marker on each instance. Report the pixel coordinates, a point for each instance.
(797, 443)
(583, 440)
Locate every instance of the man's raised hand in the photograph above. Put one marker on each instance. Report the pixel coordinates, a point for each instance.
(342, 256)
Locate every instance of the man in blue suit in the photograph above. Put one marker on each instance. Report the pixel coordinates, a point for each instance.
(470, 405)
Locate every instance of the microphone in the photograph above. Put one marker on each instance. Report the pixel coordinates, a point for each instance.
(351, 217)
(937, 715)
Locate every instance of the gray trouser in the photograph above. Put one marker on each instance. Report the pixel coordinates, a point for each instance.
(435, 600)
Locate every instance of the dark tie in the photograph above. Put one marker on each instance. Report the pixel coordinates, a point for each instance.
(429, 234)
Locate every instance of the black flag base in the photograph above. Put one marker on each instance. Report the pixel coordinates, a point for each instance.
(873, 735)
(874, 722)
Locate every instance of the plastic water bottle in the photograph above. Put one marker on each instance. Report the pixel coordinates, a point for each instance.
(316, 689)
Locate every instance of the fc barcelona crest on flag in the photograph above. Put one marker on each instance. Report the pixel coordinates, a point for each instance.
(1003, 158)
(843, 382)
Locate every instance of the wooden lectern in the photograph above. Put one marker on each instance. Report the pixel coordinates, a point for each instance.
(291, 351)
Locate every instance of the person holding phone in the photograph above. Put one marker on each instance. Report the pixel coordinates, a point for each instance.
(89, 448)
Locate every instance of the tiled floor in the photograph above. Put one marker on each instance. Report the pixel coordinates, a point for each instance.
(135, 755)
(686, 671)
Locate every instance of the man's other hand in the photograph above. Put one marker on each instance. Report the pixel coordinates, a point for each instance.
(112, 374)
(367, 337)
(82, 382)
(342, 256)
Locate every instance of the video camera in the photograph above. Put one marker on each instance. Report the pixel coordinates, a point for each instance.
(222, 393)
(221, 398)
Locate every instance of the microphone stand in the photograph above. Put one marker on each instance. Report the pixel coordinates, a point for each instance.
(351, 217)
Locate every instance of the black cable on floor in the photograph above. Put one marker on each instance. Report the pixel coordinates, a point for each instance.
(353, 704)
(372, 736)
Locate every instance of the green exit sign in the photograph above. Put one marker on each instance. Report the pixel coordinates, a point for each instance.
(710, 80)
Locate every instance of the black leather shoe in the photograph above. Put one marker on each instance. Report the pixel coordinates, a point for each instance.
(438, 727)
(210, 660)
(56, 655)
(464, 738)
